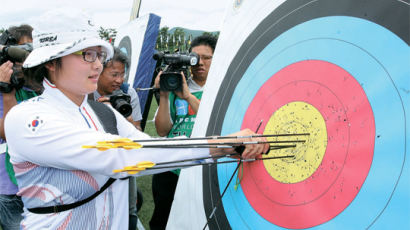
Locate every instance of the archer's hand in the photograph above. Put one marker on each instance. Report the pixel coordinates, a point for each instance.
(251, 151)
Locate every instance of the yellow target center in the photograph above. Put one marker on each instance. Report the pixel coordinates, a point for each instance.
(292, 118)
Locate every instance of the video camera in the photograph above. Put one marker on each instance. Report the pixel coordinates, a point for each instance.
(10, 51)
(7, 39)
(121, 102)
(15, 53)
(171, 76)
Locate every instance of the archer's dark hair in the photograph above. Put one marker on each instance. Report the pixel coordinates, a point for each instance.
(34, 76)
(118, 56)
(206, 40)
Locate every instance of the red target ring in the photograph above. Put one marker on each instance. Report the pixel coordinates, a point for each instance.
(339, 98)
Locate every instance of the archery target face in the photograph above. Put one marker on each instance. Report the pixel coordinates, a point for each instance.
(315, 177)
(331, 78)
(296, 117)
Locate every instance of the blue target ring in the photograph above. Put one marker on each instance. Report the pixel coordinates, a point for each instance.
(343, 41)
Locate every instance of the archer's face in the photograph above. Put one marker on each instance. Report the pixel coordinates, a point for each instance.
(76, 77)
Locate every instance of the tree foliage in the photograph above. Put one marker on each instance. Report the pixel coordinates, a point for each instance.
(108, 34)
(179, 40)
(162, 39)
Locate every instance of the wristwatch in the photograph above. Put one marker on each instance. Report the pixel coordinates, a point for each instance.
(5, 87)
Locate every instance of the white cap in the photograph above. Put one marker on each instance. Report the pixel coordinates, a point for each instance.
(61, 32)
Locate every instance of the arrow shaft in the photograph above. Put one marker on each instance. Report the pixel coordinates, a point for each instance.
(223, 137)
(216, 157)
(211, 146)
(199, 158)
(228, 144)
(216, 162)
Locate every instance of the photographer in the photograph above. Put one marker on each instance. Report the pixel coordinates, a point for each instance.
(11, 206)
(175, 117)
(112, 79)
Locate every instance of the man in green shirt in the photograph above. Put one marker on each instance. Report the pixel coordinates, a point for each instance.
(176, 117)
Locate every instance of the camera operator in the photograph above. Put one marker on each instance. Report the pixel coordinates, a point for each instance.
(11, 206)
(175, 117)
(111, 81)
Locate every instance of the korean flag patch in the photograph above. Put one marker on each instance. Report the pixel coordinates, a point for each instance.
(35, 123)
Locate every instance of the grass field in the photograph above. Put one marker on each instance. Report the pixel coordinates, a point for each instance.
(144, 182)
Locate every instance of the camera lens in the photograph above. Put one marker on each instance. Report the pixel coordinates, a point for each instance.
(171, 82)
(123, 107)
(121, 102)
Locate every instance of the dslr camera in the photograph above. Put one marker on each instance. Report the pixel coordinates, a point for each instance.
(121, 102)
(10, 51)
(171, 79)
